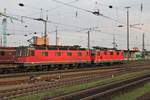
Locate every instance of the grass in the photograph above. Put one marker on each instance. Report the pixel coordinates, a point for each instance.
(132, 95)
(65, 90)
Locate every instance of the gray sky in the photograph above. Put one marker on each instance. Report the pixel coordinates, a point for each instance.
(70, 25)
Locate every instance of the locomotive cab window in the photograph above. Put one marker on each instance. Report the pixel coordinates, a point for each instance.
(32, 53)
(22, 52)
(69, 53)
(17, 53)
(44, 53)
(79, 54)
(58, 54)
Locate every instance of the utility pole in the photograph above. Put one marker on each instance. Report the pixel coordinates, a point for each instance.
(88, 39)
(45, 32)
(128, 31)
(143, 46)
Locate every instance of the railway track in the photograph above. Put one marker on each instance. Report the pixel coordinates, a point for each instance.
(19, 78)
(73, 79)
(53, 72)
(35, 88)
(104, 92)
(127, 65)
(42, 86)
(54, 76)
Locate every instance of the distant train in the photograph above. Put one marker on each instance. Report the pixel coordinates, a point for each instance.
(39, 58)
(7, 55)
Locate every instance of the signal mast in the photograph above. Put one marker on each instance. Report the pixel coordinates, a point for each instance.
(4, 24)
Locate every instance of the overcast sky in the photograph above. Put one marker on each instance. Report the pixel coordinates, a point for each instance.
(72, 21)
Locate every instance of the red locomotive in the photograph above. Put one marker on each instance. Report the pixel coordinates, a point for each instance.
(105, 55)
(39, 58)
(53, 56)
(45, 57)
(58, 56)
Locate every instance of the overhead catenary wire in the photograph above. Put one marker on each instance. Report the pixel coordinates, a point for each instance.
(97, 13)
(64, 25)
(51, 22)
(93, 12)
(59, 23)
(61, 6)
(67, 4)
(76, 8)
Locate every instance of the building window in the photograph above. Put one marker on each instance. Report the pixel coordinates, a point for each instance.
(69, 54)
(58, 54)
(111, 53)
(44, 53)
(79, 54)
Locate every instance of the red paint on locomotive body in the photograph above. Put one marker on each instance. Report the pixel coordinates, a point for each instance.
(31, 56)
(101, 56)
(35, 57)
(55, 57)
